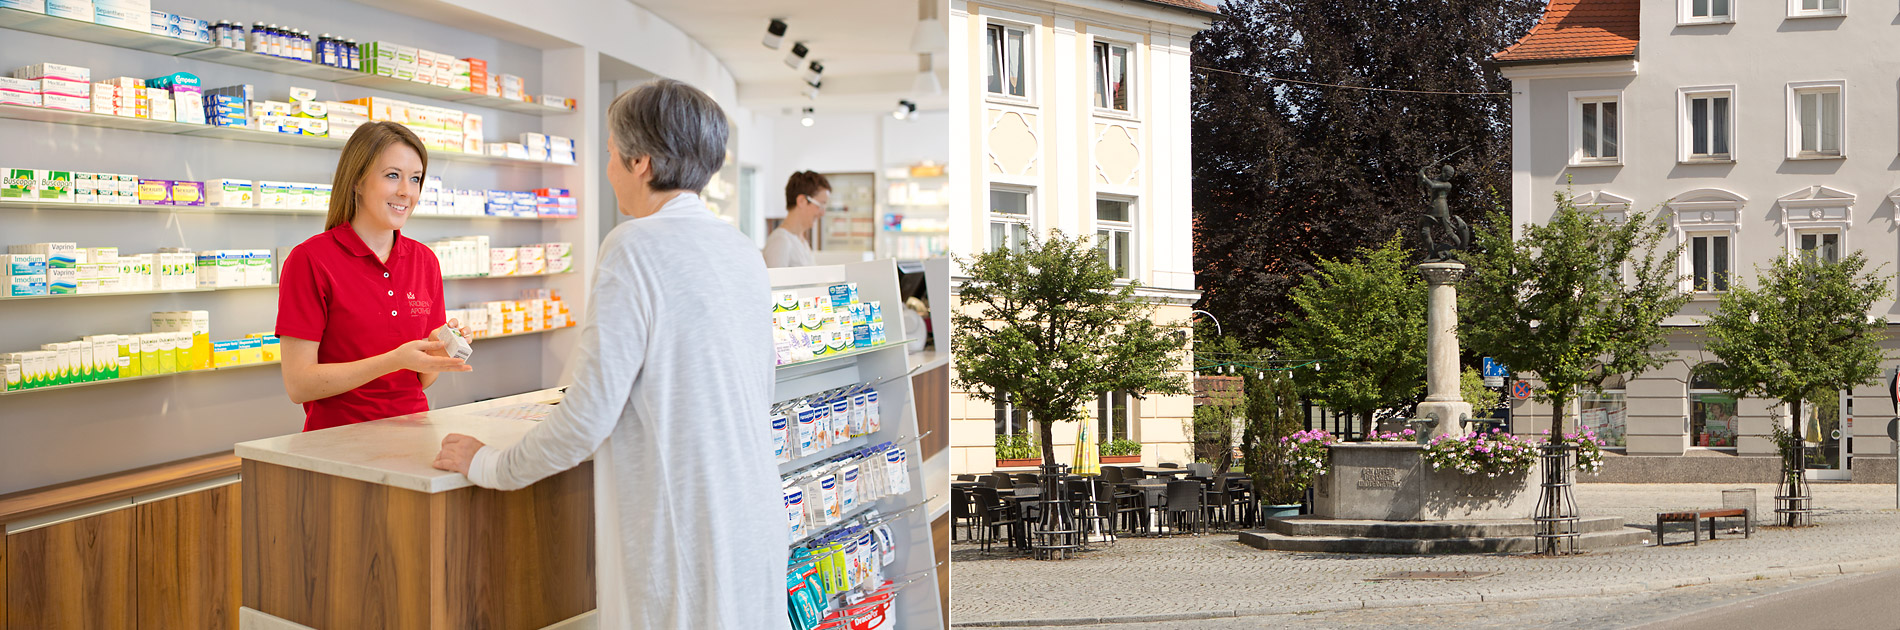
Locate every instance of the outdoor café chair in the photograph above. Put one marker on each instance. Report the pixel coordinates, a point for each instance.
(1182, 503)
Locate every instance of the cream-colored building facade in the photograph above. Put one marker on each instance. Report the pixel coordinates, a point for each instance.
(1075, 116)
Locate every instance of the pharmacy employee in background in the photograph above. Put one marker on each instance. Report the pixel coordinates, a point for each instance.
(806, 194)
(673, 371)
(358, 306)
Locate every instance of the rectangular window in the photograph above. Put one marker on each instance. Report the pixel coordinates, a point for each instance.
(1009, 219)
(1818, 121)
(1821, 7)
(1711, 419)
(1009, 419)
(1111, 76)
(1709, 118)
(1115, 234)
(1709, 258)
(1111, 417)
(1600, 131)
(1709, 10)
(1825, 245)
(1606, 413)
(1004, 65)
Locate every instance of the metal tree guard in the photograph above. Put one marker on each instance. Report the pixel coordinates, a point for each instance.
(1056, 534)
(1792, 502)
(1556, 519)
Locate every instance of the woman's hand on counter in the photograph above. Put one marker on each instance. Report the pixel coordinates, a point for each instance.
(457, 451)
(422, 356)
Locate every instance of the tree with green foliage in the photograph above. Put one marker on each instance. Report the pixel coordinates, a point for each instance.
(1048, 328)
(1484, 400)
(1365, 320)
(1272, 411)
(1804, 330)
(1576, 300)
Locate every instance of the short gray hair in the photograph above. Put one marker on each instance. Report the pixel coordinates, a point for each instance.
(674, 124)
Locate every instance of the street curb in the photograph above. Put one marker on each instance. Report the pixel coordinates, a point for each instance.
(1832, 568)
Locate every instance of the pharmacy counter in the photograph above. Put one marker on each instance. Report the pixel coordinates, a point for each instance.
(351, 528)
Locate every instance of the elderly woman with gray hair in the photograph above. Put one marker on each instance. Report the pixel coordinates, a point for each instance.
(673, 381)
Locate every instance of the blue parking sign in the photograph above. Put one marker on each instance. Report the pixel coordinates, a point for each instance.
(1494, 369)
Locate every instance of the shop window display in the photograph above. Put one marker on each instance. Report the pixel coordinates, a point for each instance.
(1711, 415)
(1606, 413)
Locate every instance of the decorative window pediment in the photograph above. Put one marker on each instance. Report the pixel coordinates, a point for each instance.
(1817, 203)
(1707, 207)
(1612, 208)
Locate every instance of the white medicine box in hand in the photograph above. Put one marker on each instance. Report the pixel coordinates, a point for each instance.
(457, 346)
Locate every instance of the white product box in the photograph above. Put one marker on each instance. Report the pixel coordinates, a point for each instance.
(78, 74)
(231, 193)
(135, 15)
(29, 6)
(19, 91)
(502, 261)
(560, 257)
(70, 9)
(257, 267)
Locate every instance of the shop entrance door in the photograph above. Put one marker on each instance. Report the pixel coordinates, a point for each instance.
(1826, 419)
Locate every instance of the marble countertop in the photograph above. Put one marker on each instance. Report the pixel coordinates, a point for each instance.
(393, 452)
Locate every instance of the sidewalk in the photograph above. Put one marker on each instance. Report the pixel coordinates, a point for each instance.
(1213, 576)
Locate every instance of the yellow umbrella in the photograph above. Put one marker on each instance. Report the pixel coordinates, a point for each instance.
(1088, 460)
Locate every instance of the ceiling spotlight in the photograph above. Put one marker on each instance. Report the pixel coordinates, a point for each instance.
(806, 120)
(905, 110)
(811, 91)
(797, 55)
(775, 33)
(814, 74)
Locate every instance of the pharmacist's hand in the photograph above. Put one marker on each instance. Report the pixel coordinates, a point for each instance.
(428, 356)
(436, 335)
(457, 451)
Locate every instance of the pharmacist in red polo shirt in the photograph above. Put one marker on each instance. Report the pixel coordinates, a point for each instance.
(359, 307)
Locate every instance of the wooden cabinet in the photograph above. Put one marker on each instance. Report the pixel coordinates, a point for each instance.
(186, 561)
(156, 565)
(77, 574)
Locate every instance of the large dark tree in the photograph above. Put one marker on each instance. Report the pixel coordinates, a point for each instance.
(1286, 173)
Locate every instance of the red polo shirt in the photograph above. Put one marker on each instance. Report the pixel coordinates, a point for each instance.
(335, 292)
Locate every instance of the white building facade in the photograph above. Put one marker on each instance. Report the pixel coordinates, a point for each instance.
(1750, 131)
(1074, 116)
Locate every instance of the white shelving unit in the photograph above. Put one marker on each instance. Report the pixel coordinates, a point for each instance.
(888, 367)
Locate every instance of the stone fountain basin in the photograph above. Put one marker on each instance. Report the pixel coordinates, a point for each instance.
(1392, 481)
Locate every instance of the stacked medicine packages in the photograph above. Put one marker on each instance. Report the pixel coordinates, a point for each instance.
(179, 341)
(824, 321)
(42, 269)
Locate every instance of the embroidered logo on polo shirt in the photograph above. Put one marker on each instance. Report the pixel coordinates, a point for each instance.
(419, 307)
(412, 295)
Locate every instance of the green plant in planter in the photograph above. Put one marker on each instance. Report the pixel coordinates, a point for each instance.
(1272, 410)
(1017, 446)
(1120, 447)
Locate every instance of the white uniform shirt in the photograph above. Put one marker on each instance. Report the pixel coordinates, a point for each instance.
(785, 249)
(670, 396)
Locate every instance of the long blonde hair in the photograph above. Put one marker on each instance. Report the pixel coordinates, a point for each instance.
(358, 154)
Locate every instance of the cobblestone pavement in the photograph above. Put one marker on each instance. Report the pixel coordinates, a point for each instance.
(1212, 576)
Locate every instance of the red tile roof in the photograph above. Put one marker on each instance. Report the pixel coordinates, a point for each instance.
(1574, 30)
(1191, 5)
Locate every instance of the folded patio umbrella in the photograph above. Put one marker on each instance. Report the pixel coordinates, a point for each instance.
(1088, 460)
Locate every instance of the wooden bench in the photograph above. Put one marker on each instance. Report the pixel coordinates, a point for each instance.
(1695, 517)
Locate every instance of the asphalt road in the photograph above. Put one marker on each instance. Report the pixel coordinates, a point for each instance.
(1863, 602)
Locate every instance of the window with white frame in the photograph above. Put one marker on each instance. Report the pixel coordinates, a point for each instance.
(1822, 244)
(1112, 72)
(1113, 415)
(1009, 218)
(1705, 12)
(1115, 234)
(1815, 124)
(1712, 412)
(1816, 8)
(1006, 65)
(1709, 261)
(1708, 124)
(1009, 419)
(1597, 128)
(1605, 412)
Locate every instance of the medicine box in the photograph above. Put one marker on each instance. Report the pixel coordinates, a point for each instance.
(78, 74)
(231, 193)
(19, 92)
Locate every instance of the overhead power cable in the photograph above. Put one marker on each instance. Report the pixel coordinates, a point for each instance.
(1349, 87)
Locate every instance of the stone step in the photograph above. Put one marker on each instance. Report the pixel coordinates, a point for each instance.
(1309, 525)
(1263, 539)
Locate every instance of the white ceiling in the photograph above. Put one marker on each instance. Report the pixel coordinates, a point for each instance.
(864, 46)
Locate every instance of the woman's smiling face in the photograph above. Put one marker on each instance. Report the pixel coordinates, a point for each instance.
(389, 189)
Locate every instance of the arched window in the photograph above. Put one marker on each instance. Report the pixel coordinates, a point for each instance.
(1711, 412)
(1605, 412)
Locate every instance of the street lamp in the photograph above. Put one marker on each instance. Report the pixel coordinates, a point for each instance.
(1210, 316)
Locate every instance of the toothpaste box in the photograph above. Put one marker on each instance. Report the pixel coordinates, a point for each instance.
(19, 92)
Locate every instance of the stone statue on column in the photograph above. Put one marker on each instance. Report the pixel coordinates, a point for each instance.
(1444, 411)
(1438, 219)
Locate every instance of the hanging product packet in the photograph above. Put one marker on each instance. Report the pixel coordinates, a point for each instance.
(868, 564)
(886, 545)
(795, 512)
(848, 487)
(894, 470)
(781, 447)
(814, 504)
(840, 566)
(807, 439)
(853, 561)
(828, 493)
(858, 425)
(840, 420)
(823, 424)
(873, 419)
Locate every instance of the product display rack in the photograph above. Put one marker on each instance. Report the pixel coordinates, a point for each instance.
(151, 292)
(483, 276)
(227, 368)
(125, 38)
(89, 119)
(113, 207)
(886, 368)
